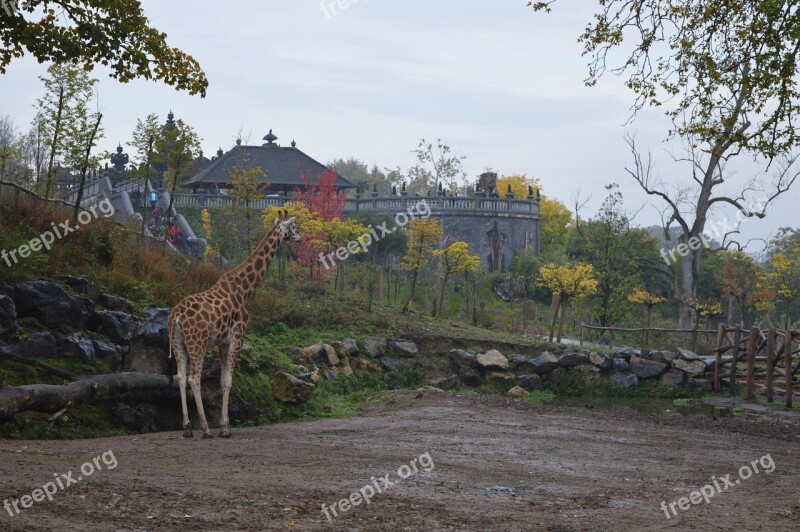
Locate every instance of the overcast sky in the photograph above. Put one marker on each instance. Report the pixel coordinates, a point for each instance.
(502, 84)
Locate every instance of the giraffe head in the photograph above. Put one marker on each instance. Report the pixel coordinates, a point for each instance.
(287, 227)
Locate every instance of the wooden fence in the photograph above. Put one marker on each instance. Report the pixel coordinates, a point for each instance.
(690, 334)
(769, 357)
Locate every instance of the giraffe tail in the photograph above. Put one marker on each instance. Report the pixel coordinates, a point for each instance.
(172, 364)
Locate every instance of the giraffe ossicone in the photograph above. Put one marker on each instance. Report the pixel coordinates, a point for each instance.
(217, 317)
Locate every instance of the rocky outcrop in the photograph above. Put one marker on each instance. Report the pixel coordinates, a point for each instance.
(375, 346)
(404, 349)
(544, 363)
(647, 369)
(492, 360)
(116, 326)
(290, 390)
(8, 316)
(530, 382)
(50, 304)
(149, 346)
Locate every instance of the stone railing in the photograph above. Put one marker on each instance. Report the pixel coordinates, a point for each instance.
(389, 204)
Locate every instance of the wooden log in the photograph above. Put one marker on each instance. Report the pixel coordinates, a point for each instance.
(717, 366)
(770, 364)
(751, 363)
(787, 353)
(737, 339)
(50, 398)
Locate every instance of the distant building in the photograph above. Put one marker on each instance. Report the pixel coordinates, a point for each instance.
(284, 168)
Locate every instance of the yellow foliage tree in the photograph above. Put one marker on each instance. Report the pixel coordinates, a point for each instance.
(643, 297)
(571, 283)
(783, 281)
(555, 227)
(210, 255)
(456, 258)
(519, 185)
(248, 186)
(423, 236)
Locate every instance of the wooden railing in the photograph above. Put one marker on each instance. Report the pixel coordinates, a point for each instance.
(645, 333)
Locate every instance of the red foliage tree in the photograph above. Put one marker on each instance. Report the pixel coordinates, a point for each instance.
(322, 197)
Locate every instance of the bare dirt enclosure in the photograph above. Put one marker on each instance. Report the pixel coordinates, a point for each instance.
(499, 464)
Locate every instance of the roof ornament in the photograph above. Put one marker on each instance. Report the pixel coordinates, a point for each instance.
(294, 144)
(270, 138)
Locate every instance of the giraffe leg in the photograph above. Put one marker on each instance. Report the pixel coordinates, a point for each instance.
(181, 359)
(226, 378)
(195, 372)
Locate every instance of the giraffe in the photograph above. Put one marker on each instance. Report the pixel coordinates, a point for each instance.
(218, 318)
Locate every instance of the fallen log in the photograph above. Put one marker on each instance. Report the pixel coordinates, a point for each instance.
(112, 387)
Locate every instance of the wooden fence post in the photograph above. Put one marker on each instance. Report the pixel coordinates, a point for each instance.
(751, 363)
(718, 353)
(787, 353)
(611, 338)
(737, 339)
(581, 334)
(770, 362)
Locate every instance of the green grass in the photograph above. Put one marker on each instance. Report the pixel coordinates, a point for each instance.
(539, 397)
(86, 421)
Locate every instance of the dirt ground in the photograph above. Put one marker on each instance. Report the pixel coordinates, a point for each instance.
(498, 464)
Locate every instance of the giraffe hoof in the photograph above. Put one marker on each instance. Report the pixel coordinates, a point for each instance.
(224, 434)
(208, 436)
(187, 434)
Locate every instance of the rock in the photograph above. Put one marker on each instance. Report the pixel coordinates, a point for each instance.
(83, 286)
(624, 352)
(492, 360)
(600, 360)
(530, 382)
(620, 364)
(450, 380)
(375, 346)
(654, 356)
(703, 385)
(589, 374)
(331, 374)
(338, 346)
(311, 352)
(350, 346)
(473, 379)
(117, 326)
(290, 390)
(109, 353)
(685, 354)
(557, 374)
(673, 379)
(315, 377)
(149, 345)
(544, 363)
(624, 380)
(518, 393)
(517, 361)
(430, 389)
(365, 364)
(77, 346)
(669, 356)
(403, 349)
(120, 304)
(499, 378)
(397, 364)
(571, 360)
(461, 357)
(646, 369)
(37, 345)
(50, 304)
(347, 371)
(330, 355)
(8, 316)
(694, 368)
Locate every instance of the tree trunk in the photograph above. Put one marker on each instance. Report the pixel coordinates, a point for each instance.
(687, 294)
(563, 308)
(88, 152)
(54, 147)
(441, 295)
(96, 389)
(413, 291)
(555, 317)
(146, 184)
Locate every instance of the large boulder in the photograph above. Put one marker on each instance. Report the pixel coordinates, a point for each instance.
(375, 346)
(694, 368)
(518, 392)
(499, 378)
(589, 374)
(624, 352)
(441, 382)
(656, 356)
(544, 363)
(600, 360)
(117, 326)
(82, 286)
(620, 364)
(571, 360)
(330, 356)
(472, 378)
(8, 316)
(530, 382)
(517, 361)
(77, 346)
(290, 390)
(403, 349)
(50, 304)
(624, 380)
(111, 354)
(397, 364)
(647, 369)
(463, 358)
(673, 379)
(492, 360)
(149, 345)
(685, 354)
(38, 345)
(120, 304)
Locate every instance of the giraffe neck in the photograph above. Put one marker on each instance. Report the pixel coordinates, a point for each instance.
(249, 274)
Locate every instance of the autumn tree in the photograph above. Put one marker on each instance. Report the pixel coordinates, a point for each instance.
(249, 183)
(306, 224)
(116, 35)
(436, 165)
(648, 300)
(456, 258)
(423, 236)
(322, 197)
(571, 283)
(782, 279)
(520, 185)
(178, 144)
(726, 77)
(739, 281)
(555, 228)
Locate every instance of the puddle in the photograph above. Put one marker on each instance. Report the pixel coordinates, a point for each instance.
(649, 406)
